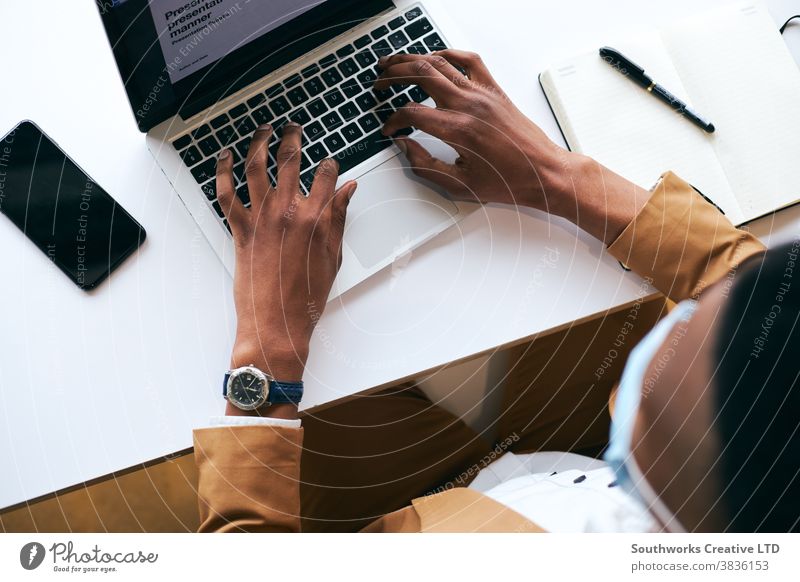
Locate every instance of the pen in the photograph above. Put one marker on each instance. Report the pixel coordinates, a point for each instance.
(636, 74)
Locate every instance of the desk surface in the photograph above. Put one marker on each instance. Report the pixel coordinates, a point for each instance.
(92, 384)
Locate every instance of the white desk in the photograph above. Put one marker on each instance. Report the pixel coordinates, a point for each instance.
(91, 384)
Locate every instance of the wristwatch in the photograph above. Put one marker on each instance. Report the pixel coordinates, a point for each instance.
(248, 388)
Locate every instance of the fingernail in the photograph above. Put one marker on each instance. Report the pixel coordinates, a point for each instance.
(264, 127)
(382, 60)
(223, 155)
(401, 144)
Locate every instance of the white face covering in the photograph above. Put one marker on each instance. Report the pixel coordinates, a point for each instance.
(629, 394)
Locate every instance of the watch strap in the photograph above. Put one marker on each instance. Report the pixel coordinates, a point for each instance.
(279, 392)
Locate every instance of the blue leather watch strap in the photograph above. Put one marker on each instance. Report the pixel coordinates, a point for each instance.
(279, 392)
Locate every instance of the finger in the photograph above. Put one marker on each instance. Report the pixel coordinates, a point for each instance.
(289, 161)
(422, 73)
(424, 165)
(472, 63)
(324, 184)
(440, 123)
(338, 210)
(230, 203)
(258, 183)
(441, 64)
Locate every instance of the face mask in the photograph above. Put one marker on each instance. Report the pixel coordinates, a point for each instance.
(629, 394)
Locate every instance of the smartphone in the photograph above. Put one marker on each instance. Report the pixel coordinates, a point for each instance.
(65, 213)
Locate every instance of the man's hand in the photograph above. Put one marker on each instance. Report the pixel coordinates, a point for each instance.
(503, 156)
(288, 251)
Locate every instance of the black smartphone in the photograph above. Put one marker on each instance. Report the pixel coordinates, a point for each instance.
(65, 213)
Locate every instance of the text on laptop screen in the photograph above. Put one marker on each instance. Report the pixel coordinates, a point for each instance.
(193, 34)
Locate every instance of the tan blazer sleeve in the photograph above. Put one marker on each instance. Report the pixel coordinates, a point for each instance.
(681, 243)
(249, 478)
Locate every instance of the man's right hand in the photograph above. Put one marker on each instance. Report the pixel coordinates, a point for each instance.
(503, 156)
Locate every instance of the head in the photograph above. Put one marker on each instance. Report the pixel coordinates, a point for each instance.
(715, 439)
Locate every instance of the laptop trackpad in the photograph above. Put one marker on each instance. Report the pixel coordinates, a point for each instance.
(392, 212)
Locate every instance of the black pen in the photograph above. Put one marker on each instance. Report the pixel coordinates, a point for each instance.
(636, 74)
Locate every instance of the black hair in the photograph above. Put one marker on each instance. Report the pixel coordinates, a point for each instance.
(758, 394)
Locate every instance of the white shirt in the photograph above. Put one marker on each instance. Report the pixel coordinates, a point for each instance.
(561, 492)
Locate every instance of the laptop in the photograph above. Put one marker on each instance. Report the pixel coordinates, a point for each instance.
(203, 74)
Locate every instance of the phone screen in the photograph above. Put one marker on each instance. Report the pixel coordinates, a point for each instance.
(61, 209)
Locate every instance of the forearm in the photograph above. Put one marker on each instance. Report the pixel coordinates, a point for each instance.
(591, 196)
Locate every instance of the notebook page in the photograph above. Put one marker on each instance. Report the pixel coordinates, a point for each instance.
(606, 116)
(742, 78)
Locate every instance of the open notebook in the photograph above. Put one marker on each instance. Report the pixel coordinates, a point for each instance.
(732, 67)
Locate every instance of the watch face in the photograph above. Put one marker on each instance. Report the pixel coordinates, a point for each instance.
(247, 389)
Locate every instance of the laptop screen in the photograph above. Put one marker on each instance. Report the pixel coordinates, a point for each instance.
(181, 56)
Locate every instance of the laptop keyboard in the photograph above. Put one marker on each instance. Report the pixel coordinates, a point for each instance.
(333, 99)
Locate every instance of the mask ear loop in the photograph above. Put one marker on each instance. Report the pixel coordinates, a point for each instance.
(652, 500)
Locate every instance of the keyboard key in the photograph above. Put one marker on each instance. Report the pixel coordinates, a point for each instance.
(297, 96)
(362, 42)
(305, 163)
(317, 152)
(306, 179)
(239, 173)
(417, 94)
(218, 209)
(382, 49)
(349, 111)
(317, 107)
(300, 116)
(219, 121)
(228, 226)
(345, 51)
(413, 13)
(348, 67)
(310, 71)
(278, 124)
(209, 146)
(292, 81)
(379, 32)
(365, 58)
(327, 61)
(201, 131)
(314, 86)
(274, 90)
(351, 132)
(210, 189)
(400, 101)
(418, 28)
(398, 40)
(396, 23)
(334, 98)
(332, 120)
(256, 100)
(331, 77)
(366, 101)
(383, 94)
(206, 171)
(226, 135)
(367, 78)
(351, 88)
(435, 42)
(245, 126)
(280, 106)
(242, 146)
(314, 131)
(334, 142)
(238, 111)
(361, 151)
(244, 194)
(191, 156)
(384, 112)
(369, 123)
(182, 142)
(262, 115)
(417, 49)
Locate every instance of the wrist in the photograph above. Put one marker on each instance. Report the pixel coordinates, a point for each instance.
(285, 364)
